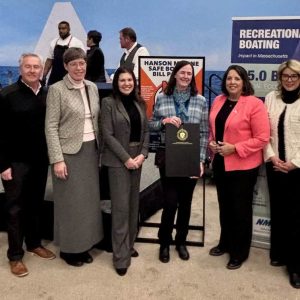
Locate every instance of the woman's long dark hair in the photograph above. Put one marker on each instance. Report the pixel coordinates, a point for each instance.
(116, 92)
(247, 86)
(169, 90)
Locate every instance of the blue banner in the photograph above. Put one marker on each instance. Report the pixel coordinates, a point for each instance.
(266, 40)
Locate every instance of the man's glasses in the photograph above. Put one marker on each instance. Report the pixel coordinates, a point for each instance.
(286, 77)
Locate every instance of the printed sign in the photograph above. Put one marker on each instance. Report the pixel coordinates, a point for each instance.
(261, 44)
(154, 73)
(261, 211)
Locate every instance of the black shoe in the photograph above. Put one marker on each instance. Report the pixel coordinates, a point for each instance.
(183, 252)
(295, 280)
(121, 271)
(216, 251)
(104, 245)
(86, 257)
(72, 259)
(276, 263)
(164, 254)
(234, 264)
(134, 253)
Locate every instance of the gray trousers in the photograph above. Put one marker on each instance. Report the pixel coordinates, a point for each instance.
(124, 192)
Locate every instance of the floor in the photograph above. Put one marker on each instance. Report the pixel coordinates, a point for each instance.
(201, 277)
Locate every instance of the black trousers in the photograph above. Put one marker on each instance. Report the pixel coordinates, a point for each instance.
(235, 196)
(23, 199)
(178, 194)
(285, 217)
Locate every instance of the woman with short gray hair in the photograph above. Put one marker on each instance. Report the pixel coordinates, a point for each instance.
(72, 120)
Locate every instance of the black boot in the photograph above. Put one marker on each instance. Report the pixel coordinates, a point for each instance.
(72, 259)
(164, 254)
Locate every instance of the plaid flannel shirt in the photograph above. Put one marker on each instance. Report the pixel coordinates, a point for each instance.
(197, 114)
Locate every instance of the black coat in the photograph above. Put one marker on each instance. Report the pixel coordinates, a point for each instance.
(95, 65)
(22, 123)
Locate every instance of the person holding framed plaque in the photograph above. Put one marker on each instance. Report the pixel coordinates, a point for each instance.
(179, 103)
(239, 131)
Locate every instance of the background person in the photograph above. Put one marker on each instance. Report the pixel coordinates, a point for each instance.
(24, 161)
(95, 58)
(58, 46)
(179, 103)
(283, 173)
(239, 131)
(125, 135)
(132, 51)
(72, 120)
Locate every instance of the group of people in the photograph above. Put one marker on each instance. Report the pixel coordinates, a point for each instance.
(95, 71)
(65, 128)
(244, 132)
(61, 127)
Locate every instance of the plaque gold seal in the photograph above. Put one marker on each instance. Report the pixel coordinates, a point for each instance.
(182, 134)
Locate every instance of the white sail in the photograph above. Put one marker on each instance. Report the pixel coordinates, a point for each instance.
(61, 11)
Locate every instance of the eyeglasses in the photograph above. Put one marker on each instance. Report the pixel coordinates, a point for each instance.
(286, 77)
(80, 64)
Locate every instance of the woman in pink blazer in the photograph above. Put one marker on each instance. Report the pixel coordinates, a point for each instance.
(239, 129)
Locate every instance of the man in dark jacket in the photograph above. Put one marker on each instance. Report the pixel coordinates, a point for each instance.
(24, 161)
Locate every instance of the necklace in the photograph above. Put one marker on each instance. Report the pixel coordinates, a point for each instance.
(231, 102)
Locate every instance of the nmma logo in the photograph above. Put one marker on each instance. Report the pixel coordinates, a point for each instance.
(263, 222)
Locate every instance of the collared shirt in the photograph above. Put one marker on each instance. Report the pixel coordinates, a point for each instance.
(35, 92)
(197, 114)
(142, 51)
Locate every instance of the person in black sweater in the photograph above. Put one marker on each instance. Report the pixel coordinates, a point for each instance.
(125, 138)
(24, 161)
(95, 58)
